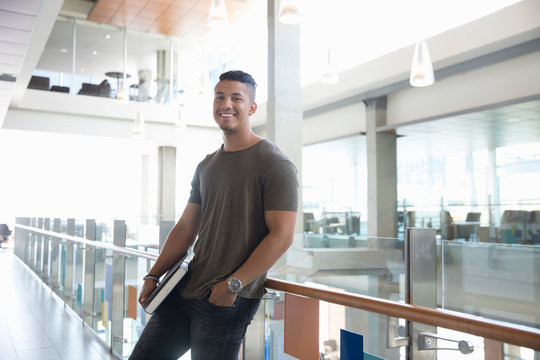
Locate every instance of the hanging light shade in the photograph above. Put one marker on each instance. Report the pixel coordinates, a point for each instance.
(421, 69)
(289, 12)
(139, 128)
(330, 75)
(122, 95)
(217, 16)
(180, 124)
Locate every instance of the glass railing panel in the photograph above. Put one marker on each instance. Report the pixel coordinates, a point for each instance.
(484, 278)
(135, 318)
(103, 294)
(357, 264)
(78, 281)
(330, 319)
(382, 336)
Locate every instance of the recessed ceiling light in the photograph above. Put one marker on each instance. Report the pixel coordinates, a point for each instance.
(82, 69)
(107, 36)
(94, 52)
(63, 50)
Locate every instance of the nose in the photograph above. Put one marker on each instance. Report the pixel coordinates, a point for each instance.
(227, 103)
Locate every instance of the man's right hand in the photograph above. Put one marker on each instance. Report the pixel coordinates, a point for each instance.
(148, 287)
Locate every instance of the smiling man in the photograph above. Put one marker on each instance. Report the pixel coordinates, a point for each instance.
(242, 212)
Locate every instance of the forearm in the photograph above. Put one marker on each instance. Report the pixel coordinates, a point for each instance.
(176, 245)
(180, 239)
(263, 257)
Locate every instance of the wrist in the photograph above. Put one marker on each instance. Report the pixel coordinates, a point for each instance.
(151, 277)
(234, 284)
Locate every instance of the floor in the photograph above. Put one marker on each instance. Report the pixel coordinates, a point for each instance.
(34, 324)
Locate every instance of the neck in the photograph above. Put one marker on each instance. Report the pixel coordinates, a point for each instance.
(239, 141)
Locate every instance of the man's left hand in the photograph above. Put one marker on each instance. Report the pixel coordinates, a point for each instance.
(221, 295)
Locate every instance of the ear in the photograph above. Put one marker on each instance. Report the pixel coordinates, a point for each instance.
(253, 108)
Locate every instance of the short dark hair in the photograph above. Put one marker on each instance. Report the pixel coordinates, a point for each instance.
(243, 77)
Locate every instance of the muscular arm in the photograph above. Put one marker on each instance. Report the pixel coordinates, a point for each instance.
(180, 239)
(279, 239)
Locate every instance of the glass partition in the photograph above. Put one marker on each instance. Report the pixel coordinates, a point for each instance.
(94, 54)
(484, 278)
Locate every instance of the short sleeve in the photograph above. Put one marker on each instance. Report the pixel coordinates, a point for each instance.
(281, 187)
(195, 193)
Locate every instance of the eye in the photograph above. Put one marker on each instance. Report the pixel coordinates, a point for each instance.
(219, 97)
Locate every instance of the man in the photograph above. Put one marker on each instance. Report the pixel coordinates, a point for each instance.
(242, 210)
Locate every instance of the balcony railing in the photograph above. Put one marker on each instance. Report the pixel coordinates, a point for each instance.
(389, 292)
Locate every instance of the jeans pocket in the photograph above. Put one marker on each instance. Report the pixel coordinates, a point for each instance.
(218, 307)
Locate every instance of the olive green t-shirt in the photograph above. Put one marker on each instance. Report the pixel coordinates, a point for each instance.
(234, 190)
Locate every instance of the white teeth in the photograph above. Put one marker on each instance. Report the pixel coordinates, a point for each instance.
(226, 115)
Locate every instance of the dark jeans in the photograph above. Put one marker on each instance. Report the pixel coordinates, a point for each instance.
(212, 332)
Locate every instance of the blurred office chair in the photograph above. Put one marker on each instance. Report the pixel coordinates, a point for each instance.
(473, 216)
(308, 221)
(4, 233)
(464, 230)
(447, 225)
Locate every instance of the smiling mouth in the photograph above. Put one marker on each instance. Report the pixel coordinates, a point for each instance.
(226, 115)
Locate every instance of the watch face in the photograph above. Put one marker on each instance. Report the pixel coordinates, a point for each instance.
(235, 285)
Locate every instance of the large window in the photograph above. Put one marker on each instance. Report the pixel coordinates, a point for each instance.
(334, 178)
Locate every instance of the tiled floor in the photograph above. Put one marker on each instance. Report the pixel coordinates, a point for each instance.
(34, 325)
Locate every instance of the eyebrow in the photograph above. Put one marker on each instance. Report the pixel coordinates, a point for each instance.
(222, 93)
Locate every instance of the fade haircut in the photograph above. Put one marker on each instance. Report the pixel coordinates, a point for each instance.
(244, 78)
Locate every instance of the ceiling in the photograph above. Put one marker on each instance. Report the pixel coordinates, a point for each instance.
(507, 125)
(181, 18)
(492, 128)
(17, 19)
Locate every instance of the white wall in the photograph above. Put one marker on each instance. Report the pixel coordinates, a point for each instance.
(335, 124)
(506, 81)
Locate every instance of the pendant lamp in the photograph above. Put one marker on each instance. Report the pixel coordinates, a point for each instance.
(122, 95)
(330, 75)
(289, 12)
(217, 16)
(421, 69)
(180, 124)
(139, 129)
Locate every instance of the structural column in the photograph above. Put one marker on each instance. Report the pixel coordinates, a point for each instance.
(284, 106)
(166, 191)
(382, 172)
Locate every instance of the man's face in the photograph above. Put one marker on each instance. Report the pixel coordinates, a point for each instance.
(232, 105)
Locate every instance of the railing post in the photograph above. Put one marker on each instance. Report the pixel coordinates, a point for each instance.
(39, 249)
(32, 254)
(55, 257)
(89, 274)
(70, 257)
(46, 267)
(420, 283)
(118, 289)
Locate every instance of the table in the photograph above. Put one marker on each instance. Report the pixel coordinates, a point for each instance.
(117, 75)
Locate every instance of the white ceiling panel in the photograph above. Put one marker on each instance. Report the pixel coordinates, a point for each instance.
(29, 7)
(12, 70)
(11, 48)
(15, 20)
(14, 35)
(9, 59)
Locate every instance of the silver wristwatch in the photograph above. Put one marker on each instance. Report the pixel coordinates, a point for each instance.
(235, 285)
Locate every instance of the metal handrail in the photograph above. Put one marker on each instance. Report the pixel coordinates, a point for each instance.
(97, 244)
(491, 329)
